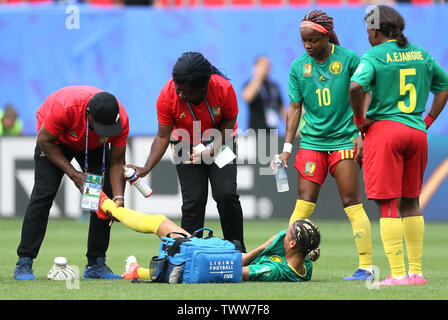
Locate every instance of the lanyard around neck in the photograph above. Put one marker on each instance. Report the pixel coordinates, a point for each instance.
(86, 157)
(196, 119)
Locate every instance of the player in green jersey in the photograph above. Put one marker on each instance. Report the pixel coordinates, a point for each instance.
(281, 258)
(319, 81)
(400, 76)
(286, 256)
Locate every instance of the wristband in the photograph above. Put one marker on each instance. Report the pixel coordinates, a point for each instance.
(117, 197)
(287, 147)
(359, 120)
(429, 120)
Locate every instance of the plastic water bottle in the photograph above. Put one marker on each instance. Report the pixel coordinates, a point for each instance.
(141, 186)
(280, 175)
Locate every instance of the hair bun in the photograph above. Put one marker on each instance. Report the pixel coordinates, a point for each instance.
(314, 254)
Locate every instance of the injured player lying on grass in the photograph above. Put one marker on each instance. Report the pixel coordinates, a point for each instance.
(286, 256)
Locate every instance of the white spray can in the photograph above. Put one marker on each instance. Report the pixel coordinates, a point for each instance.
(141, 186)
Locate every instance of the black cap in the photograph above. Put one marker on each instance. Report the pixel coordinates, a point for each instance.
(105, 113)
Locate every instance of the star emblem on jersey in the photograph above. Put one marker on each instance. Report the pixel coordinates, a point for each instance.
(336, 67)
(307, 70)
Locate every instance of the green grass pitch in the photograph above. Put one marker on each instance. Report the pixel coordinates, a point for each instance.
(68, 238)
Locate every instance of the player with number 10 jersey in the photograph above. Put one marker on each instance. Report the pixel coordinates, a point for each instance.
(319, 82)
(323, 88)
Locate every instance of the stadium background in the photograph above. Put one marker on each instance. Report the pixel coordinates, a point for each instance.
(129, 51)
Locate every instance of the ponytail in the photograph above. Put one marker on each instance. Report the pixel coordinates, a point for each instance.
(397, 34)
(334, 38)
(314, 254)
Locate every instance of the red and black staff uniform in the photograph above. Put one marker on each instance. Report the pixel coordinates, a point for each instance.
(64, 115)
(219, 103)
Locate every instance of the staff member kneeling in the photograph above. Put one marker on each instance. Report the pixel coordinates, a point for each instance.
(75, 122)
(195, 101)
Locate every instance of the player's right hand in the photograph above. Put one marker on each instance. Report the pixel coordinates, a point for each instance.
(285, 157)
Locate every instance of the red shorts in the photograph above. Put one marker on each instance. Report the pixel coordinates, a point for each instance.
(395, 157)
(314, 165)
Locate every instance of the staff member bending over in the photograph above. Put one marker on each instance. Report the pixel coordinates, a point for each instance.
(90, 125)
(199, 100)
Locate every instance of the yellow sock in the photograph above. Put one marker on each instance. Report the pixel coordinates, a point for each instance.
(392, 235)
(413, 228)
(138, 221)
(361, 234)
(143, 273)
(303, 210)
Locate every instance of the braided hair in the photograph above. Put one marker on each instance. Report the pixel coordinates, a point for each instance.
(320, 17)
(307, 235)
(391, 23)
(193, 69)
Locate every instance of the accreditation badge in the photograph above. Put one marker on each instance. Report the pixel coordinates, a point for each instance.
(91, 195)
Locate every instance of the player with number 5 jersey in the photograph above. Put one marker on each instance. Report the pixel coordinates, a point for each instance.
(319, 81)
(400, 76)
